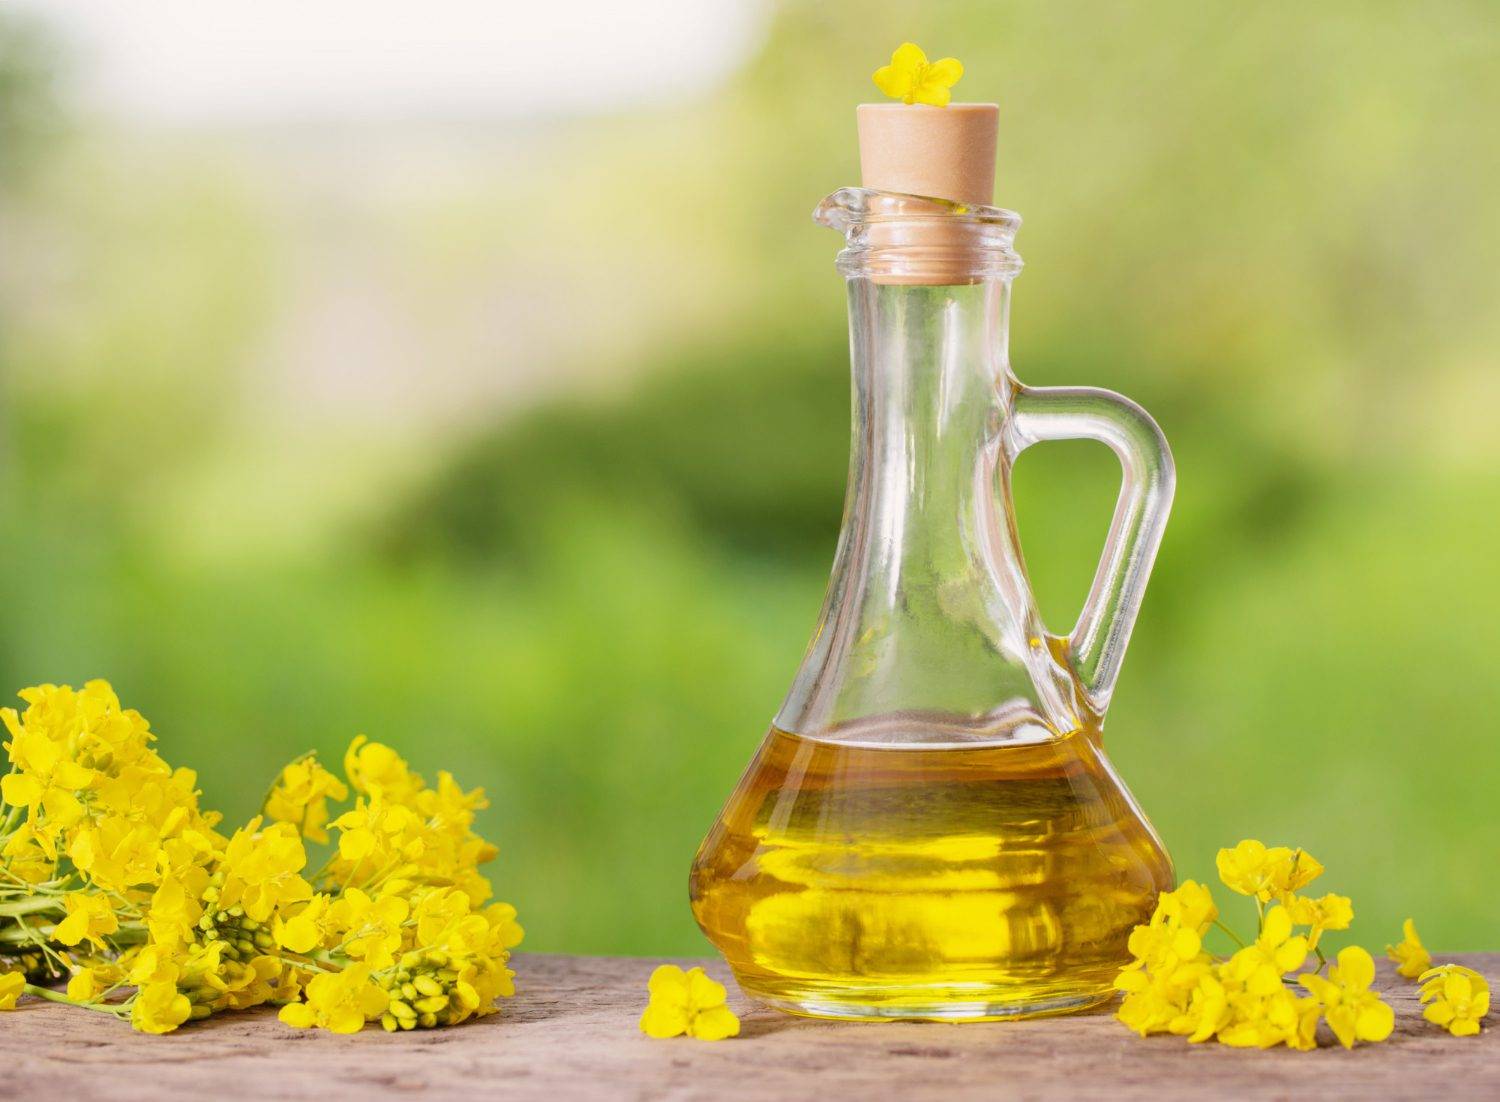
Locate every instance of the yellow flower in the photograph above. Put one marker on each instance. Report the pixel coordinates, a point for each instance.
(159, 1008)
(911, 78)
(116, 853)
(376, 831)
(12, 985)
(373, 925)
(48, 778)
(1294, 871)
(341, 1002)
(1279, 1018)
(300, 797)
(1191, 906)
(154, 964)
(31, 854)
(1354, 1012)
(307, 929)
(374, 767)
(1456, 998)
(1156, 997)
(1208, 1009)
(687, 1002)
(502, 918)
(1253, 868)
(89, 916)
(1275, 953)
(1249, 867)
(92, 980)
(261, 869)
(176, 907)
(1169, 963)
(1332, 912)
(1411, 956)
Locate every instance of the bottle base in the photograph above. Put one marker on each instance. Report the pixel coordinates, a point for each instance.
(948, 1003)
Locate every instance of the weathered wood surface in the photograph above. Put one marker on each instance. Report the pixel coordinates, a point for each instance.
(571, 1032)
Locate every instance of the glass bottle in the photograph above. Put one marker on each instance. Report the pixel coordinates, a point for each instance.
(931, 828)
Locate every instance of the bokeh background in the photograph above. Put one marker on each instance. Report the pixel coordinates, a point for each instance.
(472, 376)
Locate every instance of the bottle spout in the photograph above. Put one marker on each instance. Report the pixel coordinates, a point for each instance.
(894, 237)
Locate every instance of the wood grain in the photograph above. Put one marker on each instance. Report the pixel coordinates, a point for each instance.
(571, 1033)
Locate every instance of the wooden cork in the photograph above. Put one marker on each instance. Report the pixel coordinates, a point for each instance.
(939, 152)
(942, 152)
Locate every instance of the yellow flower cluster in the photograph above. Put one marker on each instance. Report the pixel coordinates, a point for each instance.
(112, 876)
(1249, 999)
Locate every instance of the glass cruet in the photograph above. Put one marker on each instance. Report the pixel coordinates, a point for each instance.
(931, 828)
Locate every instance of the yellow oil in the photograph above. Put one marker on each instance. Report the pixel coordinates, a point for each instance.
(965, 882)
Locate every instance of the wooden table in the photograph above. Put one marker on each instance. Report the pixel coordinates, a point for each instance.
(571, 1033)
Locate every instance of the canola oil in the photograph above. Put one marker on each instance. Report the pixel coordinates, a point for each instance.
(911, 881)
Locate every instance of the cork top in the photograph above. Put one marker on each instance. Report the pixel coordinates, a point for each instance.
(941, 152)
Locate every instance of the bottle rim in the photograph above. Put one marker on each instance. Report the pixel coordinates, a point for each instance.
(896, 237)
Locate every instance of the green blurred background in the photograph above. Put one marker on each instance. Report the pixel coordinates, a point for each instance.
(516, 438)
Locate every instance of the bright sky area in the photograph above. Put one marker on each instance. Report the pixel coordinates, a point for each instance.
(193, 61)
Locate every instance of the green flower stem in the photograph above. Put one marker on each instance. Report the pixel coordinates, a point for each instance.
(58, 997)
(31, 906)
(1234, 937)
(312, 961)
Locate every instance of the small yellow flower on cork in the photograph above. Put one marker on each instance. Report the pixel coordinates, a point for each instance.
(911, 78)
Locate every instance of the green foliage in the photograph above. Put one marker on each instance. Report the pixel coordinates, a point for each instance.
(1274, 225)
(745, 445)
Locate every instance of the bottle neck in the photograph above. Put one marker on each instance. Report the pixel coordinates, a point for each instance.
(931, 381)
(929, 617)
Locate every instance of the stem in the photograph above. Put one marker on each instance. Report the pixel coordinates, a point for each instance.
(30, 905)
(58, 997)
(1232, 935)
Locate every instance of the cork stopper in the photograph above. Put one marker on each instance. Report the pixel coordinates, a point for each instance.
(942, 152)
(938, 152)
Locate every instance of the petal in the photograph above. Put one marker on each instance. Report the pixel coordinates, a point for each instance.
(20, 790)
(894, 82)
(1263, 981)
(1455, 986)
(71, 930)
(1375, 1022)
(1321, 989)
(1439, 1013)
(297, 1015)
(1409, 930)
(668, 980)
(703, 991)
(662, 1021)
(346, 1020)
(1278, 926)
(1341, 1021)
(908, 56)
(945, 71)
(715, 1024)
(1356, 968)
(934, 95)
(1464, 1027)
(1291, 955)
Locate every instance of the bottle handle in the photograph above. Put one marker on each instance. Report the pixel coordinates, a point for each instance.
(1096, 645)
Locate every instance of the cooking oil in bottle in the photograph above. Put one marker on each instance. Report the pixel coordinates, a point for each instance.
(922, 880)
